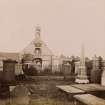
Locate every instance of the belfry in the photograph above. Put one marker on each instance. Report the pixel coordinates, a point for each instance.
(37, 32)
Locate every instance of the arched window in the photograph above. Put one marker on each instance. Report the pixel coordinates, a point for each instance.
(37, 51)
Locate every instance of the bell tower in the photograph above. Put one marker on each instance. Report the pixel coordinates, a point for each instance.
(37, 42)
(37, 33)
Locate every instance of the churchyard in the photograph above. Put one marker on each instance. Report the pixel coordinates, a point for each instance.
(73, 83)
(48, 88)
(42, 92)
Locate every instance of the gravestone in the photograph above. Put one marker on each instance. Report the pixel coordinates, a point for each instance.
(103, 75)
(9, 70)
(103, 78)
(96, 72)
(20, 95)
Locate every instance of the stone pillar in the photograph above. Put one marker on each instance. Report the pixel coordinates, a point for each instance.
(96, 71)
(1, 65)
(82, 74)
(103, 75)
(77, 64)
(95, 63)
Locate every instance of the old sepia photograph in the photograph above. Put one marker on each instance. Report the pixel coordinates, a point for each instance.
(52, 52)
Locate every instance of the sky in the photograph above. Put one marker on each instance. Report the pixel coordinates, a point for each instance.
(65, 25)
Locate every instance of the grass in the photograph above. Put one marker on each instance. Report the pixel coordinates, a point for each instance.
(48, 101)
(44, 92)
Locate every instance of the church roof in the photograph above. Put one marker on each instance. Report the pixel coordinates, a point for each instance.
(37, 43)
(30, 48)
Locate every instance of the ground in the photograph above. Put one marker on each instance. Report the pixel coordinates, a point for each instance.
(44, 92)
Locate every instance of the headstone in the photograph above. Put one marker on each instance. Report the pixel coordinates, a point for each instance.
(4, 91)
(103, 75)
(96, 72)
(18, 69)
(1, 65)
(20, 95)
(9, 70)
(67, 68)
(103, 78)
(95, 63)
(77, 64)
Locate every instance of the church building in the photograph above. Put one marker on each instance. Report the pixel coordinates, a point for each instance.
(39, 55)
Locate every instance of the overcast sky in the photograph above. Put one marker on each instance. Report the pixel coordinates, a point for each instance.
(65, 25)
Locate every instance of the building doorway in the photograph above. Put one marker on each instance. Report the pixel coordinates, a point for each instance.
(37, 63)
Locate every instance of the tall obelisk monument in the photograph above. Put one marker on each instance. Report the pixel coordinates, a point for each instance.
(82, 72)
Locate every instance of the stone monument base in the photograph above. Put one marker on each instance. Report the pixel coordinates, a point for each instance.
(82, 80)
